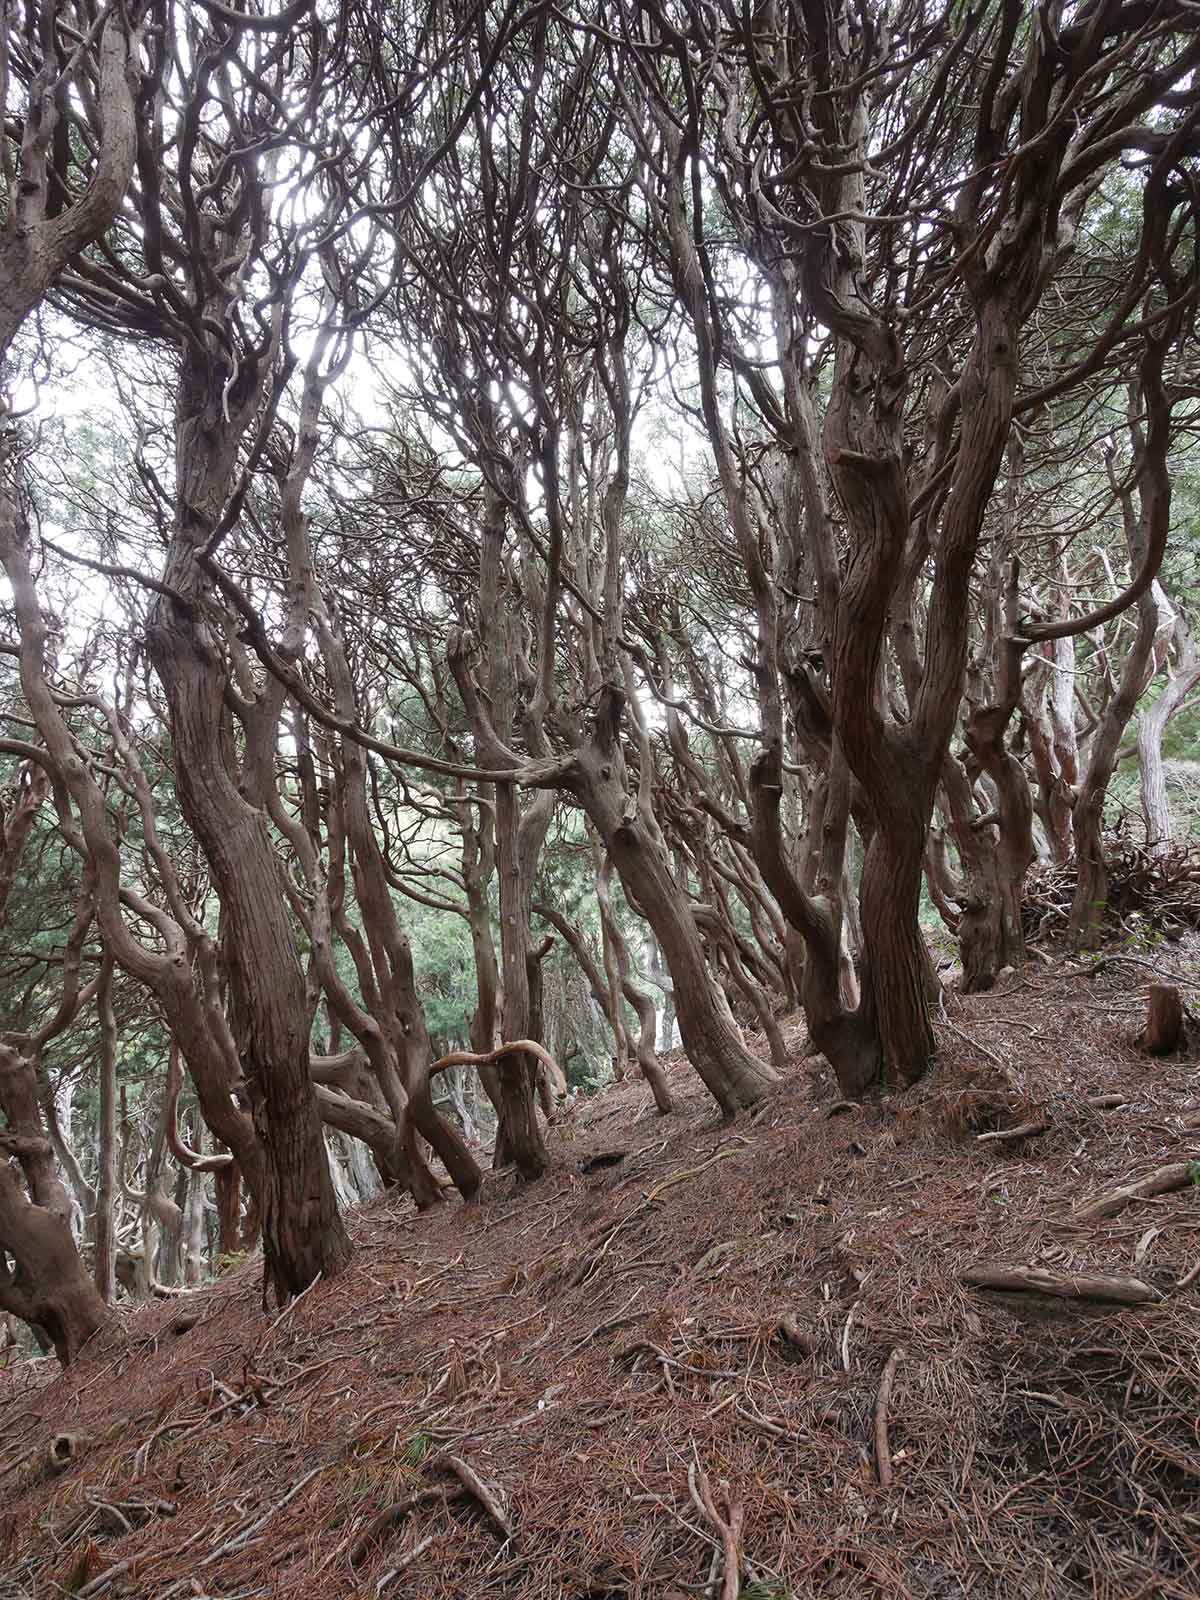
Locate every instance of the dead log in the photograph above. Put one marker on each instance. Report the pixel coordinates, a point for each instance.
(1164, 1030)
(1163, 1180)
(1062, 1285)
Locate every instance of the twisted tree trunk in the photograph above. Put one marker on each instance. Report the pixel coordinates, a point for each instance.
(303, 1234)
(46, 1283)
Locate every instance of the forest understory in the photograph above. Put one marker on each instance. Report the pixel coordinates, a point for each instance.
(696, 1359)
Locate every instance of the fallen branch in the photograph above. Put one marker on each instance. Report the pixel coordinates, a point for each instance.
(1164, 1180)
(883, 1452)
(1063, 1285)
(728, 1528)
(1023, 1130)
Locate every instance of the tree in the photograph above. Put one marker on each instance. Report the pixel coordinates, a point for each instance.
(923, 239)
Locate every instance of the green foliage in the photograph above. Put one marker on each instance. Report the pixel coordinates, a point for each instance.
(445, 966)
(416, 1449)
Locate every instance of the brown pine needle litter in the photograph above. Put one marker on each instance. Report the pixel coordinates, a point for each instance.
(633, 1380)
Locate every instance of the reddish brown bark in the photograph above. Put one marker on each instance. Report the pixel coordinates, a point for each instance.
(303, 1235)
(42, 1277)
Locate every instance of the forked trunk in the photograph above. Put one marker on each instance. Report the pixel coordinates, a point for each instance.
(303, 1234)
(519, 1137)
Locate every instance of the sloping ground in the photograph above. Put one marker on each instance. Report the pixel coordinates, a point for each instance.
(597, 1356)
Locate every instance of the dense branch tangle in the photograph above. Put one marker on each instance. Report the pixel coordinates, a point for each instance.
(629, 444)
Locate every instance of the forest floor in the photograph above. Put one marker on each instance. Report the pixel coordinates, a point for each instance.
(688, 1324)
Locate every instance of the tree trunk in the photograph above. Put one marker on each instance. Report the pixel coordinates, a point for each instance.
(518, 839)
(1090, 903)
(303, 1234)
(662, 982)
(1152, 724)
(106, 1175)
(637, 998)
(895, 962)
(47, 1285)
(735, 1078)
(479, 865)
(193, 1231)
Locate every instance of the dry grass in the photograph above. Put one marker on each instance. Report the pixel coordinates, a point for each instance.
(582, 1344)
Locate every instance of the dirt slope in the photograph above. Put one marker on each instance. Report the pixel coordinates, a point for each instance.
(584, 1347)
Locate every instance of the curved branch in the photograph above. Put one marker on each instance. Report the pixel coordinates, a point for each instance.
(468, 1058)
(191, 1159)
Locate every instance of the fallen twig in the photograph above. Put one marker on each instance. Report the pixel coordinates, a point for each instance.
(729, 1528)
(100, 1583)
(623, 1318)
(405, 1560)
(289, 1308)
(850, 1316)
(795, 1335)
(883, 1453)
(690, 1172)
(973, 1043)
(764, 1424)
(670, 1361)
(240, 1540)
(1023, 1130)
